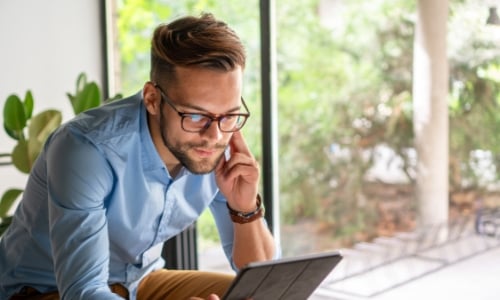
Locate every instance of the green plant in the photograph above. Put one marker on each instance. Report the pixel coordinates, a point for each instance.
(87, 95)
(30, 132)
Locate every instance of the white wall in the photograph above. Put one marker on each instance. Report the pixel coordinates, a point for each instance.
(44, 45)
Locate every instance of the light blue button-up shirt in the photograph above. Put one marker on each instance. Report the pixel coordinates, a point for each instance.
(98, 206)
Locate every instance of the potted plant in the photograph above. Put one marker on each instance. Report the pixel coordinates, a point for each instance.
(30, 132)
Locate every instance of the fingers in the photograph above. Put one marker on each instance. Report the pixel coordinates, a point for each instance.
(238, 144)
(238, 165)
(240, 158)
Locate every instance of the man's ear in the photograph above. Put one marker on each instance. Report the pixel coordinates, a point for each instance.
(152, 98)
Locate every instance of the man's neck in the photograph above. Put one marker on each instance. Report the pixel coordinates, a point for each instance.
(173, 169)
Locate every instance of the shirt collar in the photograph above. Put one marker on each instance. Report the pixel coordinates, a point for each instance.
(150, 157)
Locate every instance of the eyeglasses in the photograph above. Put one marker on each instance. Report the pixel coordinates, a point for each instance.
(196, 122)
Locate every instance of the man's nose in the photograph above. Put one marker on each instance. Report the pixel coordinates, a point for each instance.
(213, 131)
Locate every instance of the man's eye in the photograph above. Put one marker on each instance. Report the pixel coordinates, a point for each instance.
(196, 118)
(227, 118)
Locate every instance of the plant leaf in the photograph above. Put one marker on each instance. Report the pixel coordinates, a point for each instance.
(88, 98)
(81, 82)
(25, 154)
(43, 124)
(28, 104)
(71, 98)
(15, 134)
(13, 114)
(115, 97)
(4, 224)
(8, 198)
(34, 149)
(20, 157)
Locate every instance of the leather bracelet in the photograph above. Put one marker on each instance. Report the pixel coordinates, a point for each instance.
(243, 218)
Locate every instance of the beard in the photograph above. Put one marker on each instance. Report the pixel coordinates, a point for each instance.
(180, 151)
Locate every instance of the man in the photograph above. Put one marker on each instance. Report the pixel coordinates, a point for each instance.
(116, 182)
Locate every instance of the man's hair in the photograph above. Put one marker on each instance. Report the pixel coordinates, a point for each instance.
(202, 42)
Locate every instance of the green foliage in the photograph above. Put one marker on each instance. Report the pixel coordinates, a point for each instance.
(474, 96)
(135, 24)
(87, 95)
(8, 199)
(351, 88)
(16, 113)
(337, 97)
(31, 132)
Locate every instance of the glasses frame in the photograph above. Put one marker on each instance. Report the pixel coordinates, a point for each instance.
(211, 118)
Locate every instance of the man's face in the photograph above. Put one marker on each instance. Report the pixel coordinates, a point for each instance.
(205, 92)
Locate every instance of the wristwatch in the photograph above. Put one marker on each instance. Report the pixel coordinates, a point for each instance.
(243, 218)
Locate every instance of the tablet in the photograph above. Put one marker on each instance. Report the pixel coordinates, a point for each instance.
(294, 278)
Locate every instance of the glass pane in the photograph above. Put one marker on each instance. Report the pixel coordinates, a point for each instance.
(345, 128)
(347, 159)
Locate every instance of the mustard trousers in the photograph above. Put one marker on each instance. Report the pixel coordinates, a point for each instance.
(159, 285)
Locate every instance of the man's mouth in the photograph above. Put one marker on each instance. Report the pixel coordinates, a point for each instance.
(203, 152)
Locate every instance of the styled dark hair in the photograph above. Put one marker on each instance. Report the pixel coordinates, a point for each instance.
(194, 42)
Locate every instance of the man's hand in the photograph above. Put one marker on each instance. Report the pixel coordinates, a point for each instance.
(238, 180)
(238, 177)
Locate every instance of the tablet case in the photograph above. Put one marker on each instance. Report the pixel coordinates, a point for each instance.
(293, 278)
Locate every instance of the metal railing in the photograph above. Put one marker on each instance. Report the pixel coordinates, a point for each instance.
(389, 262)
(180, 252)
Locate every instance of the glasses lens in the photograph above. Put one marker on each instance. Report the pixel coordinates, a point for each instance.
(194, 122)
(232, 122)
